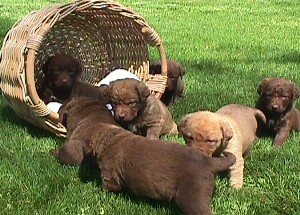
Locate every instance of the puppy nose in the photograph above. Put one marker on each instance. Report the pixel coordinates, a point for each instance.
(274, 106)
(65, 80)
(121, 115)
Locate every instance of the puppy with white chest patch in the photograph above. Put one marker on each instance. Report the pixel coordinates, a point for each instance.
(135, 109)
(276, 100)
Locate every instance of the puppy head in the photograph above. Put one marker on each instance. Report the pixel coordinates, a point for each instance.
(277, 94)
(205, 132)
(127, 97)
(175, 73)
(62, 72)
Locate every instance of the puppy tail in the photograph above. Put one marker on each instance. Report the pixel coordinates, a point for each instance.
(260, 116)
(261, 121)
(223, 163)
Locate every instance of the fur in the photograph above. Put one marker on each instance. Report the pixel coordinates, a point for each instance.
(233, 128)
(276, 101)
(151, 168)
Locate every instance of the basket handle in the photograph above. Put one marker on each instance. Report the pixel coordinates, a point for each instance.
(154, 37)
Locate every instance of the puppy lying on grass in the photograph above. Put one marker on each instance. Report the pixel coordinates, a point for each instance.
(135, 109)
(233, 128)
(151, 168)
(61, 83)
(175, 83)
(276, 100)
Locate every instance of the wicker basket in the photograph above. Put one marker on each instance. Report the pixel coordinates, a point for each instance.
(102, 35)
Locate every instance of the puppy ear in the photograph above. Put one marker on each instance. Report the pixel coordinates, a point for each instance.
(142, 90)
(227, 133)
(79, 67)
(261, 86)
(182, 70)
(296, 92)
(155, 67)
(46, 65)
(105, 91)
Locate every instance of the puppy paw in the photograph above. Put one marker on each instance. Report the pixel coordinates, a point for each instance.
(54, 152)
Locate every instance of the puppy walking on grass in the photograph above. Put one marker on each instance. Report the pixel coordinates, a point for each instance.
(276, 100)
(233, 128)
(152, 168)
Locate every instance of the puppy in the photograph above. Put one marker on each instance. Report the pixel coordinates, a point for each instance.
(61, 83)
(135, 109)
(151, 168)
(276, 100)
(233, 128)
(175, 83)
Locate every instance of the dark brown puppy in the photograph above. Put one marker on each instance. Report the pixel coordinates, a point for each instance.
(152, 168)
(175, 83)
(61, 82)
(276, 101)
(139, 111)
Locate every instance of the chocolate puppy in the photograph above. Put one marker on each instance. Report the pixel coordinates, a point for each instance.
(139, 111)
(151, 168)
(61, 83)
(175, 83)
(276, 101)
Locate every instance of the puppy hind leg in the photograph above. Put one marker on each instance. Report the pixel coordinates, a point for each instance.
(195, 198)
(153, 132)
(281, 137)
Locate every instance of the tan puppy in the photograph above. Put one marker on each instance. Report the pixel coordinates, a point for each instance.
(135, 109)
(233, 128)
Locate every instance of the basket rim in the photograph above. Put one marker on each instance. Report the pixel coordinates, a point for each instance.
(48, 17)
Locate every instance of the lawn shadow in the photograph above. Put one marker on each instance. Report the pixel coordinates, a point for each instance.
(5, 26)
(9, 116)
(208, 66)
(289, 57)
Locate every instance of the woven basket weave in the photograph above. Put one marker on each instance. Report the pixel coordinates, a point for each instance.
(102, 35)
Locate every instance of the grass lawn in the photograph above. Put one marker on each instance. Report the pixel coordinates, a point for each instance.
(227, 47)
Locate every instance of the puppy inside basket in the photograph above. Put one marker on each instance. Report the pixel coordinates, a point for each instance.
(61, 82)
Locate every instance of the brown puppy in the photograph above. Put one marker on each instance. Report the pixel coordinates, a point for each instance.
(135, 109)
(276, 100)
(233, 128)
(61, 82)
(175, 83)
(151, 168)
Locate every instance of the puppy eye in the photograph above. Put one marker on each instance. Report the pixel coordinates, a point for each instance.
(188, 138)
(211, 141)
(132, 104)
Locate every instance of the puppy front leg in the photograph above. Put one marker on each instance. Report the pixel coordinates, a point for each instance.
(282, 136)
(153, 132)
(236, 173)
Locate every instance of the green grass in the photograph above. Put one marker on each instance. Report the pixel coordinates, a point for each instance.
(227, 47)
